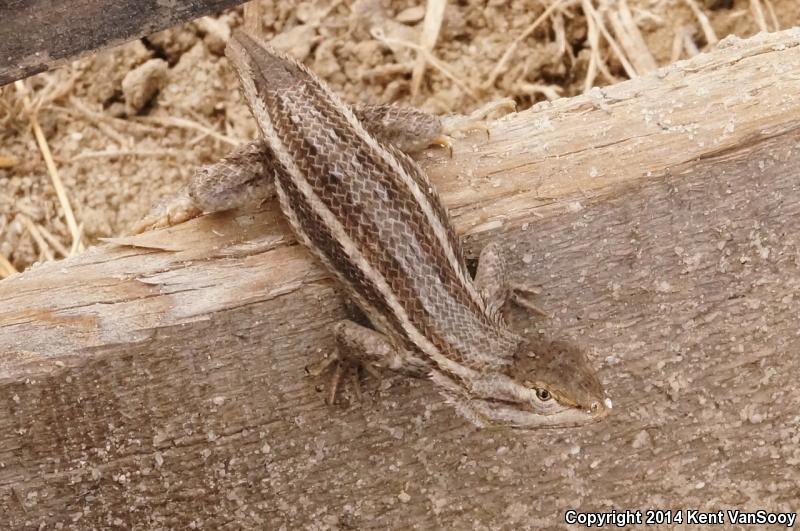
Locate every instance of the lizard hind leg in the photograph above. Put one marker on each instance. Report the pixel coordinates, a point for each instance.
(360, 347)
(244, 178)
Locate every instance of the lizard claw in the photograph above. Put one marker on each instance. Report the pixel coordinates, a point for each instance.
(475, 121)
(444, 141)
(339, 368)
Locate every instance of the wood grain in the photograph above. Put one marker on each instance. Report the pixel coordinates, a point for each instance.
(145, 388)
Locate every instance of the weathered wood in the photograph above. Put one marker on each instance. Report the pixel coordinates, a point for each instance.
(36, 35)
(151, 389)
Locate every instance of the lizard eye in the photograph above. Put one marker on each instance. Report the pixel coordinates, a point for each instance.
(543, 395)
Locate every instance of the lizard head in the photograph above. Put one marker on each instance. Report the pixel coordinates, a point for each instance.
(550, 384)
(566, 390)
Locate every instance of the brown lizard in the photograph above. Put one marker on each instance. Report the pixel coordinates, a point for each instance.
(375, 221)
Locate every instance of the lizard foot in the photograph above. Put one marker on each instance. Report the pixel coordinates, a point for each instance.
(168, 213)
(476, 120)
(335, 369)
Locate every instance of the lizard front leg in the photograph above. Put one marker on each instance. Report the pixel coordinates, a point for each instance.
(357, 345)
(495, 288)
(408, 129)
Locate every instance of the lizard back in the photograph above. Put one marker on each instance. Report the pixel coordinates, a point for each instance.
(370, 214)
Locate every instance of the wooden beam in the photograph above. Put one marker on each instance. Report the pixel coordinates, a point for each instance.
(37, 35)
(150, 388)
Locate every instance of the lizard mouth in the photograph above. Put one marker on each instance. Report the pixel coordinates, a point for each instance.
(506, 413)
(570, 419)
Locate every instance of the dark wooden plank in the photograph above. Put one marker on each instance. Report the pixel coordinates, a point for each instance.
(36, 35)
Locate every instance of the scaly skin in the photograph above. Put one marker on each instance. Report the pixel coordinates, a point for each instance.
(375, 221)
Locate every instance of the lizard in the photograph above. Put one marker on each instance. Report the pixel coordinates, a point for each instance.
(374, 220)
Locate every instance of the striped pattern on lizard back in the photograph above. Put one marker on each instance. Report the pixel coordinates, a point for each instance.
(373, 218)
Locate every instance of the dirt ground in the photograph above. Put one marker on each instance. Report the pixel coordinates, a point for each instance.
(127, 126)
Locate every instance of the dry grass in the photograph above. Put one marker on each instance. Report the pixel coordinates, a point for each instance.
(589, 42)
(509, 53)
(431, 25)
(31, 111)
